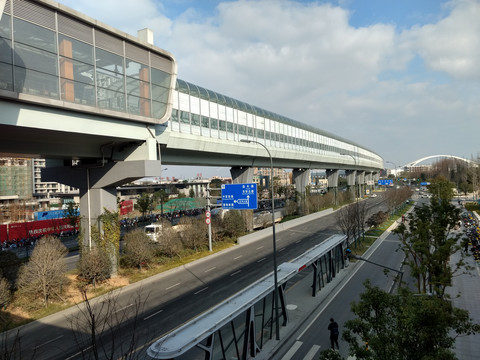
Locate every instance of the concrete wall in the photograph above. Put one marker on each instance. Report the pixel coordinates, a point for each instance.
(257, 235)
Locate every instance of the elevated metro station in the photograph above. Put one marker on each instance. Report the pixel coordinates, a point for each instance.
(106, 108)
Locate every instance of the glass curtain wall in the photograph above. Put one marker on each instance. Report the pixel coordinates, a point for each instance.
(49, 54)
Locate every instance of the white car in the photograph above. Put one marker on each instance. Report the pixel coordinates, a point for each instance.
(153, 231)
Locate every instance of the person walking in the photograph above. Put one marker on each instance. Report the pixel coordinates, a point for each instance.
(334, 332)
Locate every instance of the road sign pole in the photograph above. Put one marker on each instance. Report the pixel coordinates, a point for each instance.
(210, 222)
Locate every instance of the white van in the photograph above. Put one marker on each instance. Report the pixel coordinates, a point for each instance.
(154, 232)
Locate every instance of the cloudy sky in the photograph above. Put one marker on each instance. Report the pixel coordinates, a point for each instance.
(399, 77)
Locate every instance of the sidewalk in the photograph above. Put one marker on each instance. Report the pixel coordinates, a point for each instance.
(468, 287)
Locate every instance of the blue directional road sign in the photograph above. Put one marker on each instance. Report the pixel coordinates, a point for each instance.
(239, 196)
(385, 182)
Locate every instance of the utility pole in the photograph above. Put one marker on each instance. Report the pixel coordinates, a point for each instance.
(208, 219)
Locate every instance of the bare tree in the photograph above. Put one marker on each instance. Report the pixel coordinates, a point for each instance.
(138, 250)
(194, 232)
(44, 275)
(104, 328)
(171, 245)
(346, 219)
(94, 266)
(5, 293)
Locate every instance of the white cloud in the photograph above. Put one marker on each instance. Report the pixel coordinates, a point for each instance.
(453, 44)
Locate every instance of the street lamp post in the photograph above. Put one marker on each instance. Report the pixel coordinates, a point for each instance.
(275, 280)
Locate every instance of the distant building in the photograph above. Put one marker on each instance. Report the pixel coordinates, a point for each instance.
(262, 176)
(22, 192)
(16, 177)
(48, 189)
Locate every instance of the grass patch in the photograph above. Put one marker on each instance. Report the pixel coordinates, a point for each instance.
(362, 245)
(164, 263)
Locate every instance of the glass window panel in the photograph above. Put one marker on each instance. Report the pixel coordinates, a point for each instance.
(203, 93)
(161, 78)
(158, 109)
(6, 77)
(185, 117)
(78, 50)
(242, 130)
(205, 122)
(222, 125)
(5, 51)
(213, 123)
(138, 105)
(110, 80)
(229, 127)
(109, 61)
(159, 93)
(35, 59)
(196, 119)
(181, 86)
(81, 72)
(174, 115)
(137, 70)
(110, 99)
(84, 93)
(34, 35)
(5, 30)
(138, 88)
(36, 83)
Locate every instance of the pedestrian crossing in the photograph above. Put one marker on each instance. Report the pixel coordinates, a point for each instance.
(311, 354)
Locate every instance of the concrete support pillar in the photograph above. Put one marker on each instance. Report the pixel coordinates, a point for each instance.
(93, 203)
(375, 177)
(351, 181)
(369, 181)
(332, 178)
(97, 185)
(301, 178)
(361, 183)
(242, 175)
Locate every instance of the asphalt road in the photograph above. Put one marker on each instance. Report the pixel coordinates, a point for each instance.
(146, 310)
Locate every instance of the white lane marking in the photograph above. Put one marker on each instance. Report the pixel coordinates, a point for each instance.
(313, 351)
(48, 342)
(199, 291)
(301, 231)
(235, 273)
(152, 315)
(296, 242)
(260, 247)
(172, 286)
(281, 249)
(208, 270)
(292, 350)
(80, 352)
(125, 307)
(261, 260)
(238, 257)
